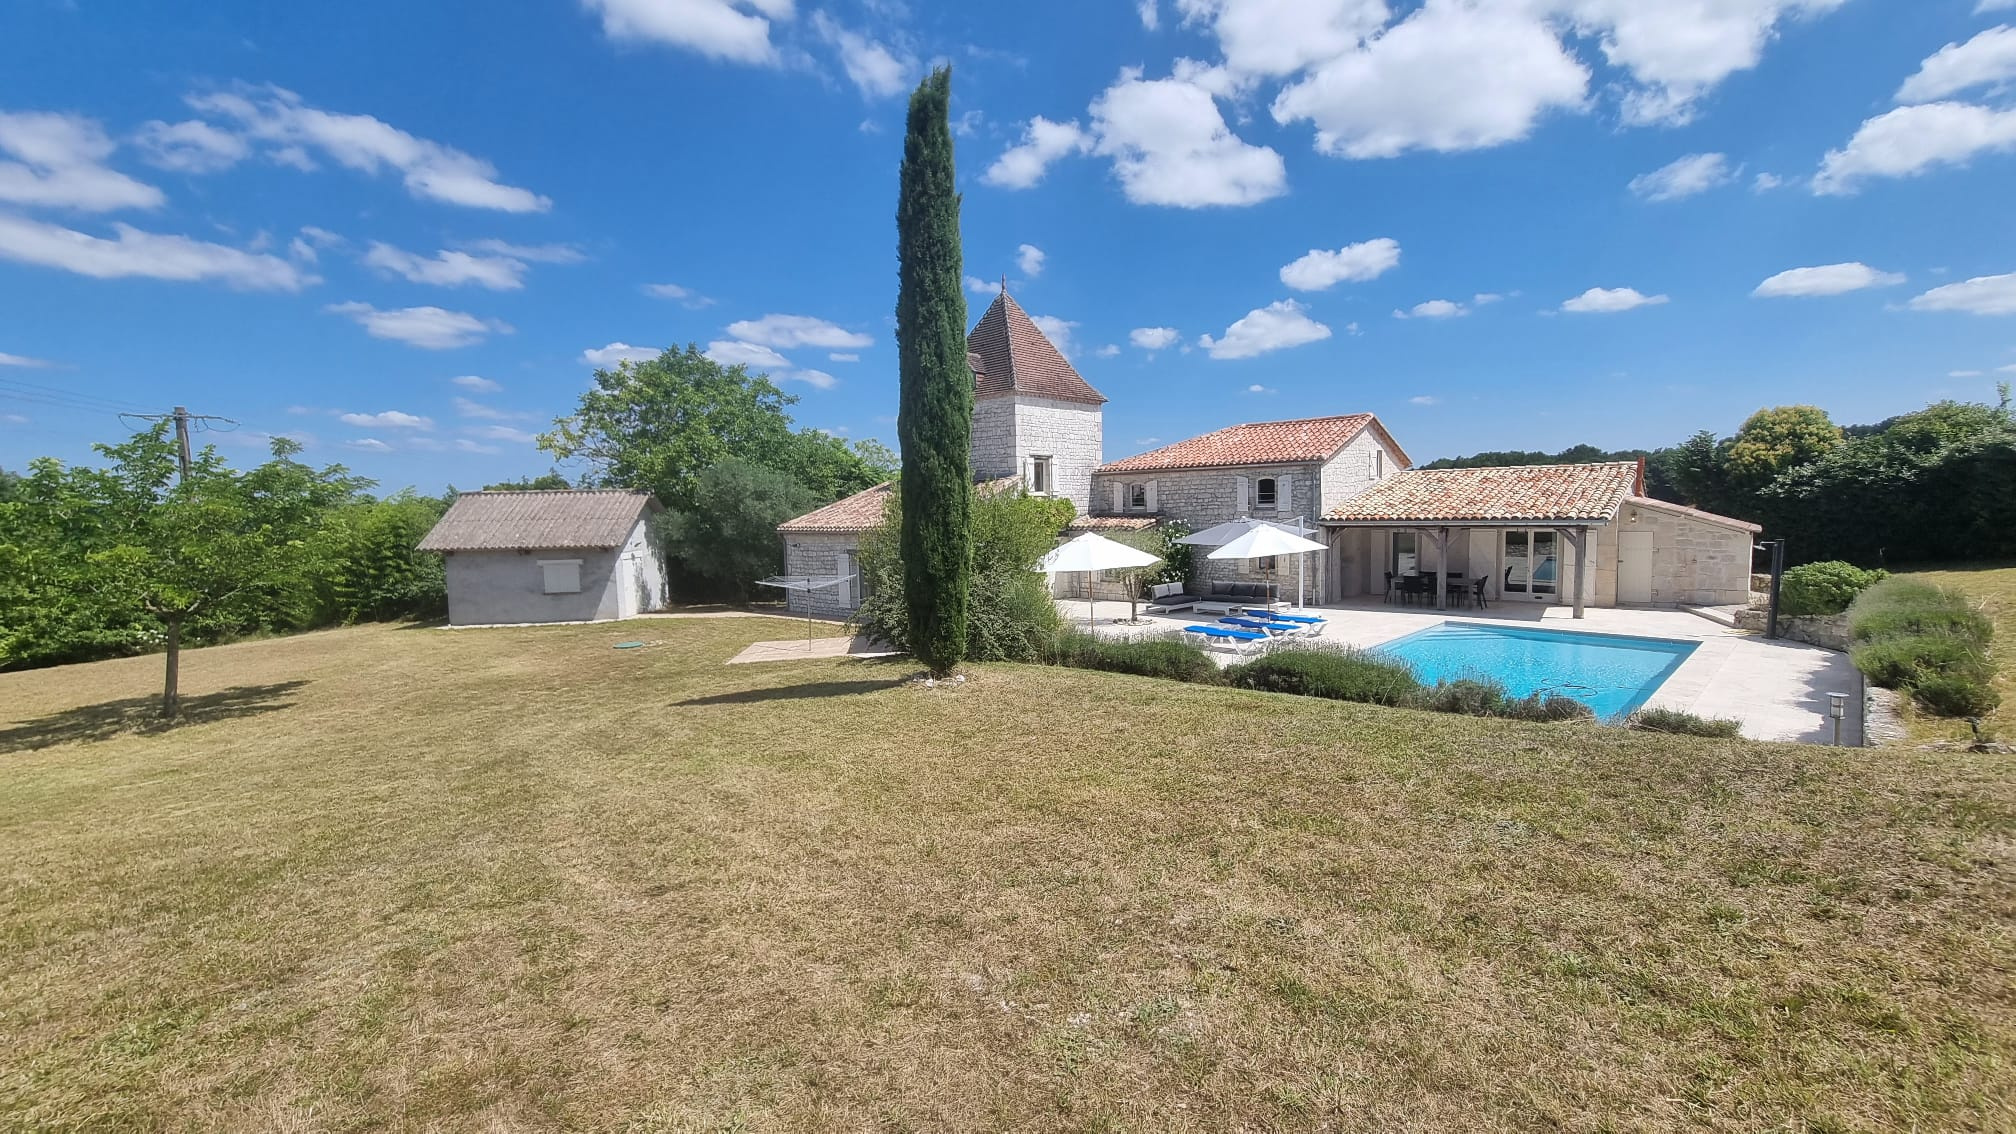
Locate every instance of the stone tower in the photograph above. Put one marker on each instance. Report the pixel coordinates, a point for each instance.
(1033, 416)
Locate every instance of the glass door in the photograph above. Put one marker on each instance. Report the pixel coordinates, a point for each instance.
(1532, 565)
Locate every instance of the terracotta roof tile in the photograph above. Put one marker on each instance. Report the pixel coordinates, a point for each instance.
(1512, 494)
(856, 513)
(533, 521)
(1260, 443)
(1010, 355)
(1112, 523)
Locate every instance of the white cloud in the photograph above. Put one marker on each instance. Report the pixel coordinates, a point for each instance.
(368, 444)
(1277, 326)
(1280, 37)
(817, 379)
(1257, 388)
(1677, 52)
(1989, 59)
(448, 268)
(839, 356)
(464, 445)
(23, 360)
(1110, 350)
(1353, 330)
(1320, 269)
(685, 296)
(1423, 400)
(429, 328)
(1695, 173)
(1827, 279)
(430, 170)
(1058, 331)
(2009, 369)
(874, 69)
(1603, 301)
(1982, 295)
(1433, 309)
(529, 253)
(787, 331)
(754, 355)
(978, 286)
(1154, 338)
(1451, 76)
(501, 433)
(1765, 182)
(134, 253)
(194, 146)
(1963, 374)
(60, 162)
(1151, 14)
(1911, 139)
(14, 418)
(1987, 6)
(616, 353)
(1029, 260)
(477, 383)
(1170, 145)
(732, 30)
(1043, 141)
(1486, 298)
(470, 408)
(389, 419)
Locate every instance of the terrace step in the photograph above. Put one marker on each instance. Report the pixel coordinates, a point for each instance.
(1720, 615)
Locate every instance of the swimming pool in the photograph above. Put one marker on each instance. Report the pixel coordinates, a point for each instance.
(1610, 673)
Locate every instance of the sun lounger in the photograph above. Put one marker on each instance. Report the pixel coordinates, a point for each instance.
(1305, 619)
(1263, 625)
(1238, 640)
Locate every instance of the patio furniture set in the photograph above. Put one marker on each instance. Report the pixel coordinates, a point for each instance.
(1219, 597)
(1411, 588)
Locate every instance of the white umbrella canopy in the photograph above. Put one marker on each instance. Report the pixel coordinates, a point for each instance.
(1230, 530)
(1094, 552)
(1265, 540)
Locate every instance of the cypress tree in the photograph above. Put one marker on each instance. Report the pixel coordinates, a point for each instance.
(934, 421)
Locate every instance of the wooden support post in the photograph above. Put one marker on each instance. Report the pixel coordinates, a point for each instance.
(1578, 538)
(1440, 538)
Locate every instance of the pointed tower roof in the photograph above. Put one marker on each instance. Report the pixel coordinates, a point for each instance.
(1010, 355)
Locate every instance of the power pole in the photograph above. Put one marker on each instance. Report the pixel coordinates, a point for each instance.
(182, 441)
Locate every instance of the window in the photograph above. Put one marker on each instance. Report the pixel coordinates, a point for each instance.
(1406, 553)
(561, 576)
(1263, 492)
(1039, 475)
(1378, 463)
(1137, 496)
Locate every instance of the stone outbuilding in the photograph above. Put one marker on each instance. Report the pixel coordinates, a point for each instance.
(554, 556)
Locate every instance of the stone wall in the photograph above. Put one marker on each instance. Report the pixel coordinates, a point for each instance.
(1071, 434)
(822, 553)
(1362, 463)
(1695, 560)
(1826, 630)
(1200, 498)
(994, 452)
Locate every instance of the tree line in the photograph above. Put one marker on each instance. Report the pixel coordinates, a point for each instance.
(1937, 484)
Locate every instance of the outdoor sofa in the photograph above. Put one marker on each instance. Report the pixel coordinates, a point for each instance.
(1219, 595)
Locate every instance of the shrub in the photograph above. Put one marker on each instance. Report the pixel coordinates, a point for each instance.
(1160, 657)
(1955, 695)
(1825, 588)
(1676, 723)
(1340, 675)
(1910, 606)
(1482, 697)
(1547, 708)
(1901, 661)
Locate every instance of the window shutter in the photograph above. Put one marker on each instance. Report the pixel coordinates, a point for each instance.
(1242, 495)
(1284, 494)
(1028, 472)
(1151, 496)
(1119, 497)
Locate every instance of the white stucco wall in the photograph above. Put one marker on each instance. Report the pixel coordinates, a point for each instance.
(487, 588)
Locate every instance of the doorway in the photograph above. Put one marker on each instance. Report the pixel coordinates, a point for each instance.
(1532, 565)
(1634, 567)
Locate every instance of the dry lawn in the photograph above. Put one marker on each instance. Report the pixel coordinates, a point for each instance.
(1994, 586)
(517, 880)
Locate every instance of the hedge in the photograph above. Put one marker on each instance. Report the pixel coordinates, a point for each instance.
(1926, 641)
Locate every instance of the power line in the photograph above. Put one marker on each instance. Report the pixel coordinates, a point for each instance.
(182, 418)
(54, 394)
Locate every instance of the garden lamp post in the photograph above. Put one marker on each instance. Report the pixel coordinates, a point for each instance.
(1837, 708)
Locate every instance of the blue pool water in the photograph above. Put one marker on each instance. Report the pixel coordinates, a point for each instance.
(1610, 673)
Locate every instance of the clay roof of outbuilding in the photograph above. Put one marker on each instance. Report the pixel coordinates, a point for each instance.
(567, 519)
(1537, 493)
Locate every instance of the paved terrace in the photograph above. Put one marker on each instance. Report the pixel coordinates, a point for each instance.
(1777, 689)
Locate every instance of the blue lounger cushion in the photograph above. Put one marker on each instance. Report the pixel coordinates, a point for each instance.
(1306, 619)
(1222, 632)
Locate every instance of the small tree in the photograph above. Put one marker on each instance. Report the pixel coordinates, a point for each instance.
(732, 541)
(934, 420)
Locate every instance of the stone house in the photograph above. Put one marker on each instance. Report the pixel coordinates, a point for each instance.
(1581, 535)
(557, 556)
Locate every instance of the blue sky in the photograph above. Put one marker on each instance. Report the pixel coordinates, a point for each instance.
(401, 232)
